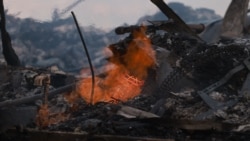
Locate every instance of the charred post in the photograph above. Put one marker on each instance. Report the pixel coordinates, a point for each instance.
(234, 19)
(8, 52)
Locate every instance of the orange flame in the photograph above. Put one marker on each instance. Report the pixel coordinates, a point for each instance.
(125, 80)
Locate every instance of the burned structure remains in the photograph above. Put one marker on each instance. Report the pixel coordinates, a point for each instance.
(164, 81)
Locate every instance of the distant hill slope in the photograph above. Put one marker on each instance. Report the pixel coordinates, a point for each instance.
(43, 44)
(187, 13)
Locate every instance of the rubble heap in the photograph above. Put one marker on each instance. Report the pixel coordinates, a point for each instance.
(192, 90)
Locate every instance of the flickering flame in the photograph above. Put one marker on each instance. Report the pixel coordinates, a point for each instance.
(125, 79)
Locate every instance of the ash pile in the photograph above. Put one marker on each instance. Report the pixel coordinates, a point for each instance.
(167, 80)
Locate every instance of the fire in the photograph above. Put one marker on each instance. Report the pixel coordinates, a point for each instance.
(125, 79)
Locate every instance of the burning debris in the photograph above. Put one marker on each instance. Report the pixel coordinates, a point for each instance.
(128, 73)
(163, 81)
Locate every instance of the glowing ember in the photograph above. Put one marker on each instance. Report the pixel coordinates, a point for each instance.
(45, 117)
(125, 80)
(133, 80)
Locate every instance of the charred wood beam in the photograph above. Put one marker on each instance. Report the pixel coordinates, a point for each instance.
(31, 99)
(8, 52)
(167, 26)
(179, 23)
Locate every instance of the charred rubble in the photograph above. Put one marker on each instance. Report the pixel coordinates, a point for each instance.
(196, 91)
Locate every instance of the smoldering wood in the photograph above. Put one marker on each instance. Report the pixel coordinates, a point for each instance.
(9, 53)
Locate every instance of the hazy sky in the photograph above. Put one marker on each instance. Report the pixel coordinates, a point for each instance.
(102, 13)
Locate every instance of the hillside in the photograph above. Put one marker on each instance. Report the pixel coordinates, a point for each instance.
(187, 13)
(42, 44)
